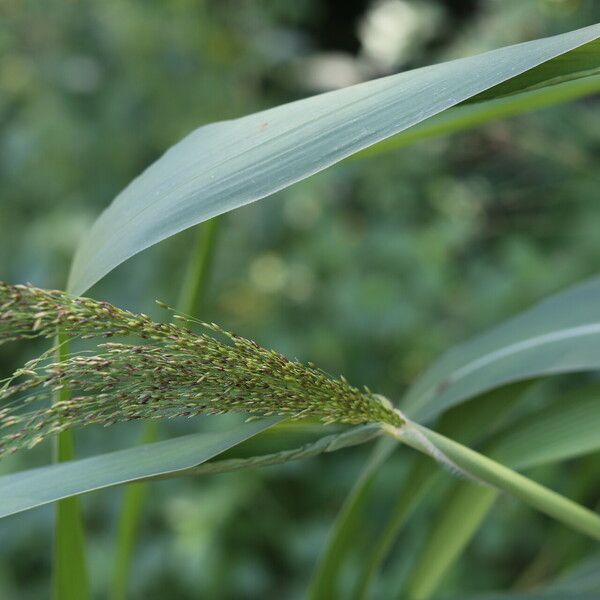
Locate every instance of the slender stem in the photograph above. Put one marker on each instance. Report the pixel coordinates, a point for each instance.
(463, 513)
(193, 292)
(419, 481)
(193, 289)
(69, 571)
(485, 470)
(129, 523)
(325, 579)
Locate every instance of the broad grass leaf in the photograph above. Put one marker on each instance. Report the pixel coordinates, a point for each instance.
(223, 166)
(473, 114)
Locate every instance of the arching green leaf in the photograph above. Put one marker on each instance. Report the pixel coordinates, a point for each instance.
(226, 165)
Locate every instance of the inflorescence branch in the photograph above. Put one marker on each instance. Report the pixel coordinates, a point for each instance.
(174, 372)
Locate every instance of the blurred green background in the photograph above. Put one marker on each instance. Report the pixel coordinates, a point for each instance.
(370, 269)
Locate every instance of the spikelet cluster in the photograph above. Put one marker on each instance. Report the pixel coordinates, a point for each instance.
(171, 372)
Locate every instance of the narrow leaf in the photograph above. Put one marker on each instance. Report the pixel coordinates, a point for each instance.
(418, 483)
(28, 489)
(329, 443)
(461, 515)
(324, 583)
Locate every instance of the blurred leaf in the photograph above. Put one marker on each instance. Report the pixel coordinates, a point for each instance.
(343, 534)
(420, 479)
(580, 583)
(567, 428)
(28, 489)
(582, 579)
(129, 523)
(461, 514)
(559, 335)
(69, 572)
(226, 165)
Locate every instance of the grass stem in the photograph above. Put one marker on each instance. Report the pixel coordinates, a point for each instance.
(69, 571)
(191, 298)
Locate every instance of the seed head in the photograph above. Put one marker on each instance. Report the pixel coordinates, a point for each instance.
(173, 373)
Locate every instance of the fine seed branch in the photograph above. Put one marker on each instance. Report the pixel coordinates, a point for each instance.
(174, 373)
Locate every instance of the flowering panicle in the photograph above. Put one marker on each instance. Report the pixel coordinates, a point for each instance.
(174, 372)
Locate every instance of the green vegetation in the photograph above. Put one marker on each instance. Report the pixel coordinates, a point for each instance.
(502, 412)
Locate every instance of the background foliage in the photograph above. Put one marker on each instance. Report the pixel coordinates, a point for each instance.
(369, 269)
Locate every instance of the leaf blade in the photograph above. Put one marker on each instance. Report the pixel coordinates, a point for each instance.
(324, 581)
(561, 334)
(28, 489)
(469, 115)
(226, 165)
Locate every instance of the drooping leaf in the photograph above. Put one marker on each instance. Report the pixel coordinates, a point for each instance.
(226, 165)
(579, 583)
(329, 443)
(180, 457)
